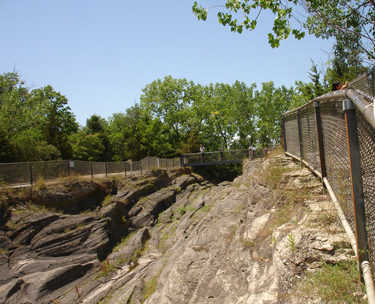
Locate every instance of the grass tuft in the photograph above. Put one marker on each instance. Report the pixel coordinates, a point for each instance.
(335, 284)
(40, 184)
(150, 288)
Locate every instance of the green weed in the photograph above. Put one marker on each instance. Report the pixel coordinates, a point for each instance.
(80, 226)
(248, 243)
(206, 208)
(292, 243)
(150, 288)
(107, 200)
(182, 210)
(106, 267)
(40, 184)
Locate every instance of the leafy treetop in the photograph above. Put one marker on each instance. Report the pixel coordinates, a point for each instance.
(350, 22)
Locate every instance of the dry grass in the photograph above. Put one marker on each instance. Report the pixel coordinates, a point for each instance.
(290, 206)
(40, 184)
(334, 284)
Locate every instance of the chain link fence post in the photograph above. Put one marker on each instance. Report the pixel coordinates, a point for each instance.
(319, 130)
(300, 135)
(356, 182)
(284, 135)
(31, 174)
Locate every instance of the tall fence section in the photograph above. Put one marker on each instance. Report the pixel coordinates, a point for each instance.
(217, 157)
(29, 172)
(334, 135)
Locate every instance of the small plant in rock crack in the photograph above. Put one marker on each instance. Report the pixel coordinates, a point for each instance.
(182, 210)
(292, 243)
(106, 267)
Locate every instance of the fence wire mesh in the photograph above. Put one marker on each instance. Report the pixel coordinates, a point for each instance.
(28, 173)
(365, 84)
(291, 130)
(216, 157)
(309, 138)
(367, 138)
(15, 173)
(336, 156)
(82, 168)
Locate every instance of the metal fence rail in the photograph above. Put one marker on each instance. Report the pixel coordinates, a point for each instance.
(323, 134)
(228, 156)
(29, 172)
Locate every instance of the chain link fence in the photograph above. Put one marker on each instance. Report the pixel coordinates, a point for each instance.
(24, 174)
(217, 157)
(329, 154)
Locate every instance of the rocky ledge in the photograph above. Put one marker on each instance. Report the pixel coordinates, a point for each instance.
(169, 237)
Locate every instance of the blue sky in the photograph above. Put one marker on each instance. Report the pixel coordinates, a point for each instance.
(101, 54)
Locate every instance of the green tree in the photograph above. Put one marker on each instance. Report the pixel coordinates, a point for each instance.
(245, 115)
(135, 134)
(34, 125)
(6, 154)
(169, 101)
(350, 22)
(29, 145)
(271, 104)
(249, 12)
(59, 121)
(346, 65)
(190, 143)
(98, 126)
(126, 134)
(219, 127)
(308, 91)
(87, 147)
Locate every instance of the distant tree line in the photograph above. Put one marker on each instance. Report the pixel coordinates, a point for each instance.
(174, 117)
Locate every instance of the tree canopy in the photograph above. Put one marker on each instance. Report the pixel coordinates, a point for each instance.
(174, 117)
(34, 124)
(350, 22)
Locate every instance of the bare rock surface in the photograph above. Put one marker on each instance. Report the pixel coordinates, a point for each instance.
(173, 238)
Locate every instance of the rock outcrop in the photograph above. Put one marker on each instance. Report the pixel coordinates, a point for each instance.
(171, 237)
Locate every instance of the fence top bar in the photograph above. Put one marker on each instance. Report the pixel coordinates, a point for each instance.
(360, 103)
(213, 152)
(34, 162)
(324, 98)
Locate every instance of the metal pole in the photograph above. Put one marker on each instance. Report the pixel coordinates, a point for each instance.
(300, 134)
(284, 135)
(369, 282)
(356, 182)
(318, 120)
(31, 174)
(68, 167)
